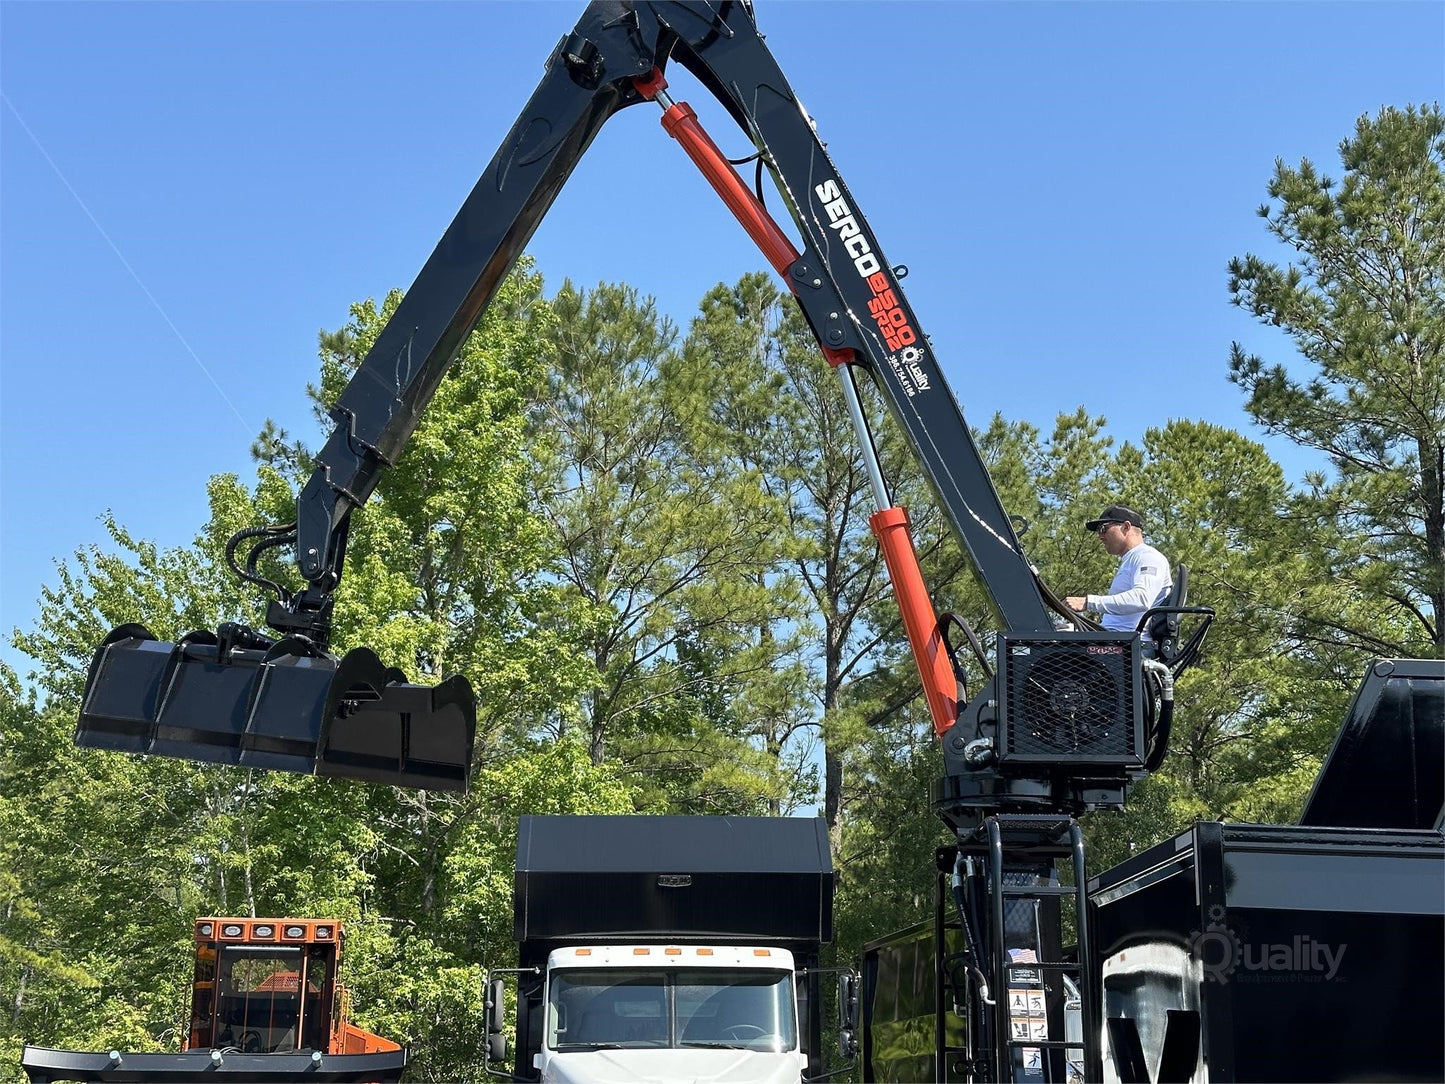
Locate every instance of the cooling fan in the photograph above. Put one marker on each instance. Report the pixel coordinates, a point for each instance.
(1071, 700)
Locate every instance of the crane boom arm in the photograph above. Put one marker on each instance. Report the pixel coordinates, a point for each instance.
(846, 289)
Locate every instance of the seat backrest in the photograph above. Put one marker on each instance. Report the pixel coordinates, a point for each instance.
(1163, 629)
(714, 1016)
(593, 1026)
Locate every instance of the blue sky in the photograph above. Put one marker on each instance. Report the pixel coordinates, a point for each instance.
(190, 191)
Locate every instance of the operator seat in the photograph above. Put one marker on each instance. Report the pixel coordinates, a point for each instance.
(591, 1027)
(1163, 628)
(706, 1024)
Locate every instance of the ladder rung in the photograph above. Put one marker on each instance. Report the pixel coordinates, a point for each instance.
(1038, 891)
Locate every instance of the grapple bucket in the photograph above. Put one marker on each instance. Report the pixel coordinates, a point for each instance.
(285, 709)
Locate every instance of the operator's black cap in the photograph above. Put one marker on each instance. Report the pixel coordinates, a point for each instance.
(1116, 513)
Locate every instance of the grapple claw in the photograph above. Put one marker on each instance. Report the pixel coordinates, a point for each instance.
(286, 707)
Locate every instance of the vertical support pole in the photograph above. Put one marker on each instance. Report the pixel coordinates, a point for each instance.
(1090, 986)
(940, 976)
(881, 499)
(1003, 1065)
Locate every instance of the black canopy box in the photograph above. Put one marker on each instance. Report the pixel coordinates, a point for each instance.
(746, 880)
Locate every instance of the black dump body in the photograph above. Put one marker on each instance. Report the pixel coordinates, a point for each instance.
(1256, 953)
(764, 881)
(746, 880)
(1245, 952)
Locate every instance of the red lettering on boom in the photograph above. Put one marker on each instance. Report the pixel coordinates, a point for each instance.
(884, 309)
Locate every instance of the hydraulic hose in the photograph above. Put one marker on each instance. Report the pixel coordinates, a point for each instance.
(270, 538)
(1159, 734)
(970, 939)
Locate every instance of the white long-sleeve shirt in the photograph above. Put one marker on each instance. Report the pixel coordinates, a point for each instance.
(1143, 580)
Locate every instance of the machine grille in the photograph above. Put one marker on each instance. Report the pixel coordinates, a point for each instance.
(1071, 701)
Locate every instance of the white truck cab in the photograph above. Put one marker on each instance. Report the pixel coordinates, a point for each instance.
(670, 1012)
(679, 949)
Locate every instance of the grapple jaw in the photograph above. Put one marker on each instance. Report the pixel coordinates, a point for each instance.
(283, 707)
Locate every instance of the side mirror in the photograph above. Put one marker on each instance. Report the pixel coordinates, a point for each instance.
(848, 1015)
(494, 1017)
(848, 1000)
(496, 1014)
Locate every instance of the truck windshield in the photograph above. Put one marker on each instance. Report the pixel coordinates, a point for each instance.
(691, 1007)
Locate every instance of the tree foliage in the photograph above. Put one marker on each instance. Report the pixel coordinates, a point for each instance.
(121, 854)
(1363, 301)
(660, 560)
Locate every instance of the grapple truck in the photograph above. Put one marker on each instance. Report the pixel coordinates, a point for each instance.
(668, 948)
(1061, 719)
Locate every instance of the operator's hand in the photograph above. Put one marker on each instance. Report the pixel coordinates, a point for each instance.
(1077, 603)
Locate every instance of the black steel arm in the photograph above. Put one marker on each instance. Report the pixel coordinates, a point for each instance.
(845, 287)
(378, 410)
(852, 299)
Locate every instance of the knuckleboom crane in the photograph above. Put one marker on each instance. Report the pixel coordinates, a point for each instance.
(1068, 717)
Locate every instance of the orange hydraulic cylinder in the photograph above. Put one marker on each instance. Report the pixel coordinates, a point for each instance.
(680, 121)
(890, 527)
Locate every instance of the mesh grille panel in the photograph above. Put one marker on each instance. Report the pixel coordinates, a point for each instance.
(1070, 700)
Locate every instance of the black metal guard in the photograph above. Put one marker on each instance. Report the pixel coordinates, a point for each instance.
(43, 1065)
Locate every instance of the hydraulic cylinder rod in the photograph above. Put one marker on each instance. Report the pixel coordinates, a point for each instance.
(889, 523)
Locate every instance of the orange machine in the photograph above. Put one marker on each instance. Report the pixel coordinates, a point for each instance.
(266, 1008)
(269, 986)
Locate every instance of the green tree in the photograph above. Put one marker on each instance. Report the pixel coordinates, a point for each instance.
(115, 856)
(731, 394)
(760, 387)
(1364, 303)
(658, 553)
(445, 562)
(1253, 719)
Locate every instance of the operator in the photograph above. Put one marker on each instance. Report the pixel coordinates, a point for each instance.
(1143, 579)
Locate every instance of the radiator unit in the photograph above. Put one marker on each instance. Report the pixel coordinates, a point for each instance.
(1071, 699)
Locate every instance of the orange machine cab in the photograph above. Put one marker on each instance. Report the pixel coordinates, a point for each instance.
(269, 985)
